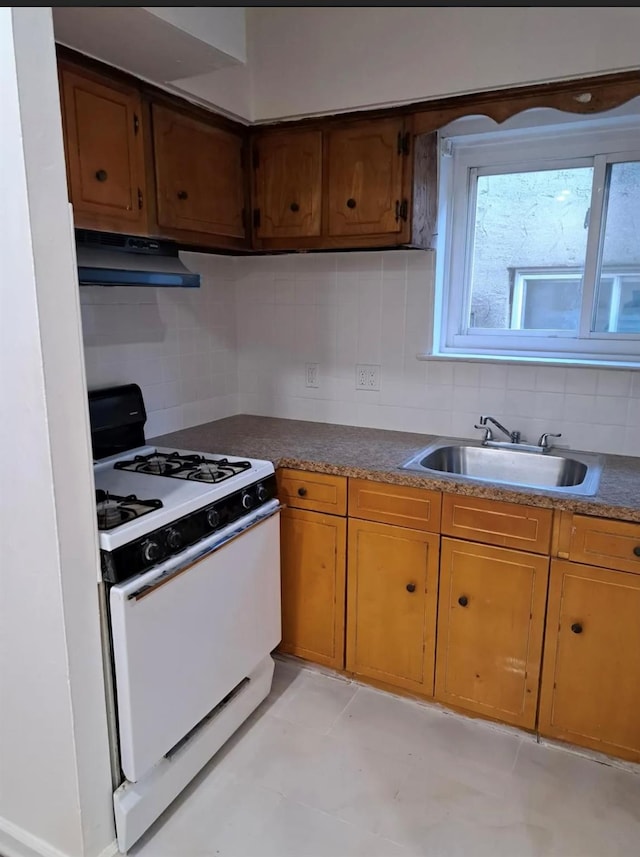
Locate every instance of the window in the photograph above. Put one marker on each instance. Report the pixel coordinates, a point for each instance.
(541, 250)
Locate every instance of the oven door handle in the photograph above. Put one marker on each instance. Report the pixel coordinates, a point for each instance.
(272, 508)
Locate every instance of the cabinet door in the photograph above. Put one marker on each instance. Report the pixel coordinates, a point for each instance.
(288, 184)
(490, 629)
(391, 604)
(365, 193)
(313, 586)
(105, 155)
(591, 677)
(199, 176)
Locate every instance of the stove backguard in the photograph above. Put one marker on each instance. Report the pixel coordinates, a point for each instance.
(117, 416)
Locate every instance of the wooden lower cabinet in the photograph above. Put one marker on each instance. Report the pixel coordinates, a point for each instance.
(490, 629)
(313, 586)
(591, 677)
(392, 604)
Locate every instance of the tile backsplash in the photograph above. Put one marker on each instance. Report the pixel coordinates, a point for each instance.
(340, 309)
(239, 344)
(178, 344)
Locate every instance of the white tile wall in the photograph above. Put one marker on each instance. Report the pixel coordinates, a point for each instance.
(339, 309)
(178, 344)
(239, 344)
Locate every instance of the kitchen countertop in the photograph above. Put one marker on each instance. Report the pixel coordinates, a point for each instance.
(378, 454)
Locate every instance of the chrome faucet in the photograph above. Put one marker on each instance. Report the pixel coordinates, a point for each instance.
(514, 436)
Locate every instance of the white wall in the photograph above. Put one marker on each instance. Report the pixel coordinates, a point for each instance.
(339, 309)
(54, 770)
(319, 59)
(178, 344)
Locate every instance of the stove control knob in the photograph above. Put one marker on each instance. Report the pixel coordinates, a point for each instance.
(213, 519)
(247, 501)
(151, 551)
(174, 540)
(262, 494)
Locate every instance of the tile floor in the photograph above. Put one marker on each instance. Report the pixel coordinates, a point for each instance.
(330, 768)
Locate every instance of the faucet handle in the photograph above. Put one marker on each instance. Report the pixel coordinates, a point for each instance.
(488, 434)
(544, 442)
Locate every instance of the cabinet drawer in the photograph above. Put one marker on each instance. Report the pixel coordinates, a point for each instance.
(316, 492)
(493, 522)
(417, 508)
(611, 544)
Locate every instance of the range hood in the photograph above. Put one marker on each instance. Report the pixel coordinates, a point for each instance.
(110, 259)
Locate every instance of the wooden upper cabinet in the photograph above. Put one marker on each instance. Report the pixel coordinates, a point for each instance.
(199, 176)
(591, 676)
(366, 192)
(288, 184)
(103, 138)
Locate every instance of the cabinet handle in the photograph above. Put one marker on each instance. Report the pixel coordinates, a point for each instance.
(302, 492)
(294, 206)
(351, 203)
(411, 587)
(182, 194)
(463, 601)
(576, 628)
(101, 175)
(636, 550)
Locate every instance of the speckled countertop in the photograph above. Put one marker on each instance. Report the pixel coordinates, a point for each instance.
(377, 454)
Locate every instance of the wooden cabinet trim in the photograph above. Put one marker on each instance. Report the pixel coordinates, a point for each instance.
(403, 505)
(498, 523)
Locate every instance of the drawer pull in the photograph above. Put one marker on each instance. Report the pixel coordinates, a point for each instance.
(411, 587)
(463, 601)
(302, 492)
(636, 550)
(101, 175)
(576, 628)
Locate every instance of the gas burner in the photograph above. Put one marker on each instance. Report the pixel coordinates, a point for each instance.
(195, 468)
(114, 510)
(157, 464)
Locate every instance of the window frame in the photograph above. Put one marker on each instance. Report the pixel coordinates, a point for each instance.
(594, 143)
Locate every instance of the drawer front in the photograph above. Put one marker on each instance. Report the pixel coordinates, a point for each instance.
(493, 522)
(417, 508)
(610, 544)
(315, 492)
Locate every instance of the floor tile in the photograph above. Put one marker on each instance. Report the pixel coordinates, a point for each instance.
(300, 831)
(326, 767)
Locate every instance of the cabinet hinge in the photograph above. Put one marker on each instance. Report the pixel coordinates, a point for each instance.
(256, 159)
(256, 218)
(406, 143)
(399, 142)
(136, 123)
(139, 198)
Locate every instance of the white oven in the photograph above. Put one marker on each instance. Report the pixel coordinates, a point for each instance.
(190, 603)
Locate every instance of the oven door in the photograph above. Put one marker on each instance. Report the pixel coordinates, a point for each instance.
(187, 633)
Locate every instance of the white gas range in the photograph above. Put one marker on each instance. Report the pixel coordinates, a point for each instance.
(190, 557)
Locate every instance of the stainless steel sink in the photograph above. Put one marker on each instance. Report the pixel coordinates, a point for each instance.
(566, 472)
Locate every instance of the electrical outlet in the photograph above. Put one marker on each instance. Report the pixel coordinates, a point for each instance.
(312, 374)
(367, 376)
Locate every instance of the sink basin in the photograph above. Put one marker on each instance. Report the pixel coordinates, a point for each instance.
(565, 472)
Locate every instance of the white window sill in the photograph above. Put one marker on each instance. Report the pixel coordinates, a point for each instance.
(587, 363)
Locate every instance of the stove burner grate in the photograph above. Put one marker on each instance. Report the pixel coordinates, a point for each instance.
(196, 468)
(114, 510)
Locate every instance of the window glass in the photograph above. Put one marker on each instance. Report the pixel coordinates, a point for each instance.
(617, 305)
(525, 220)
